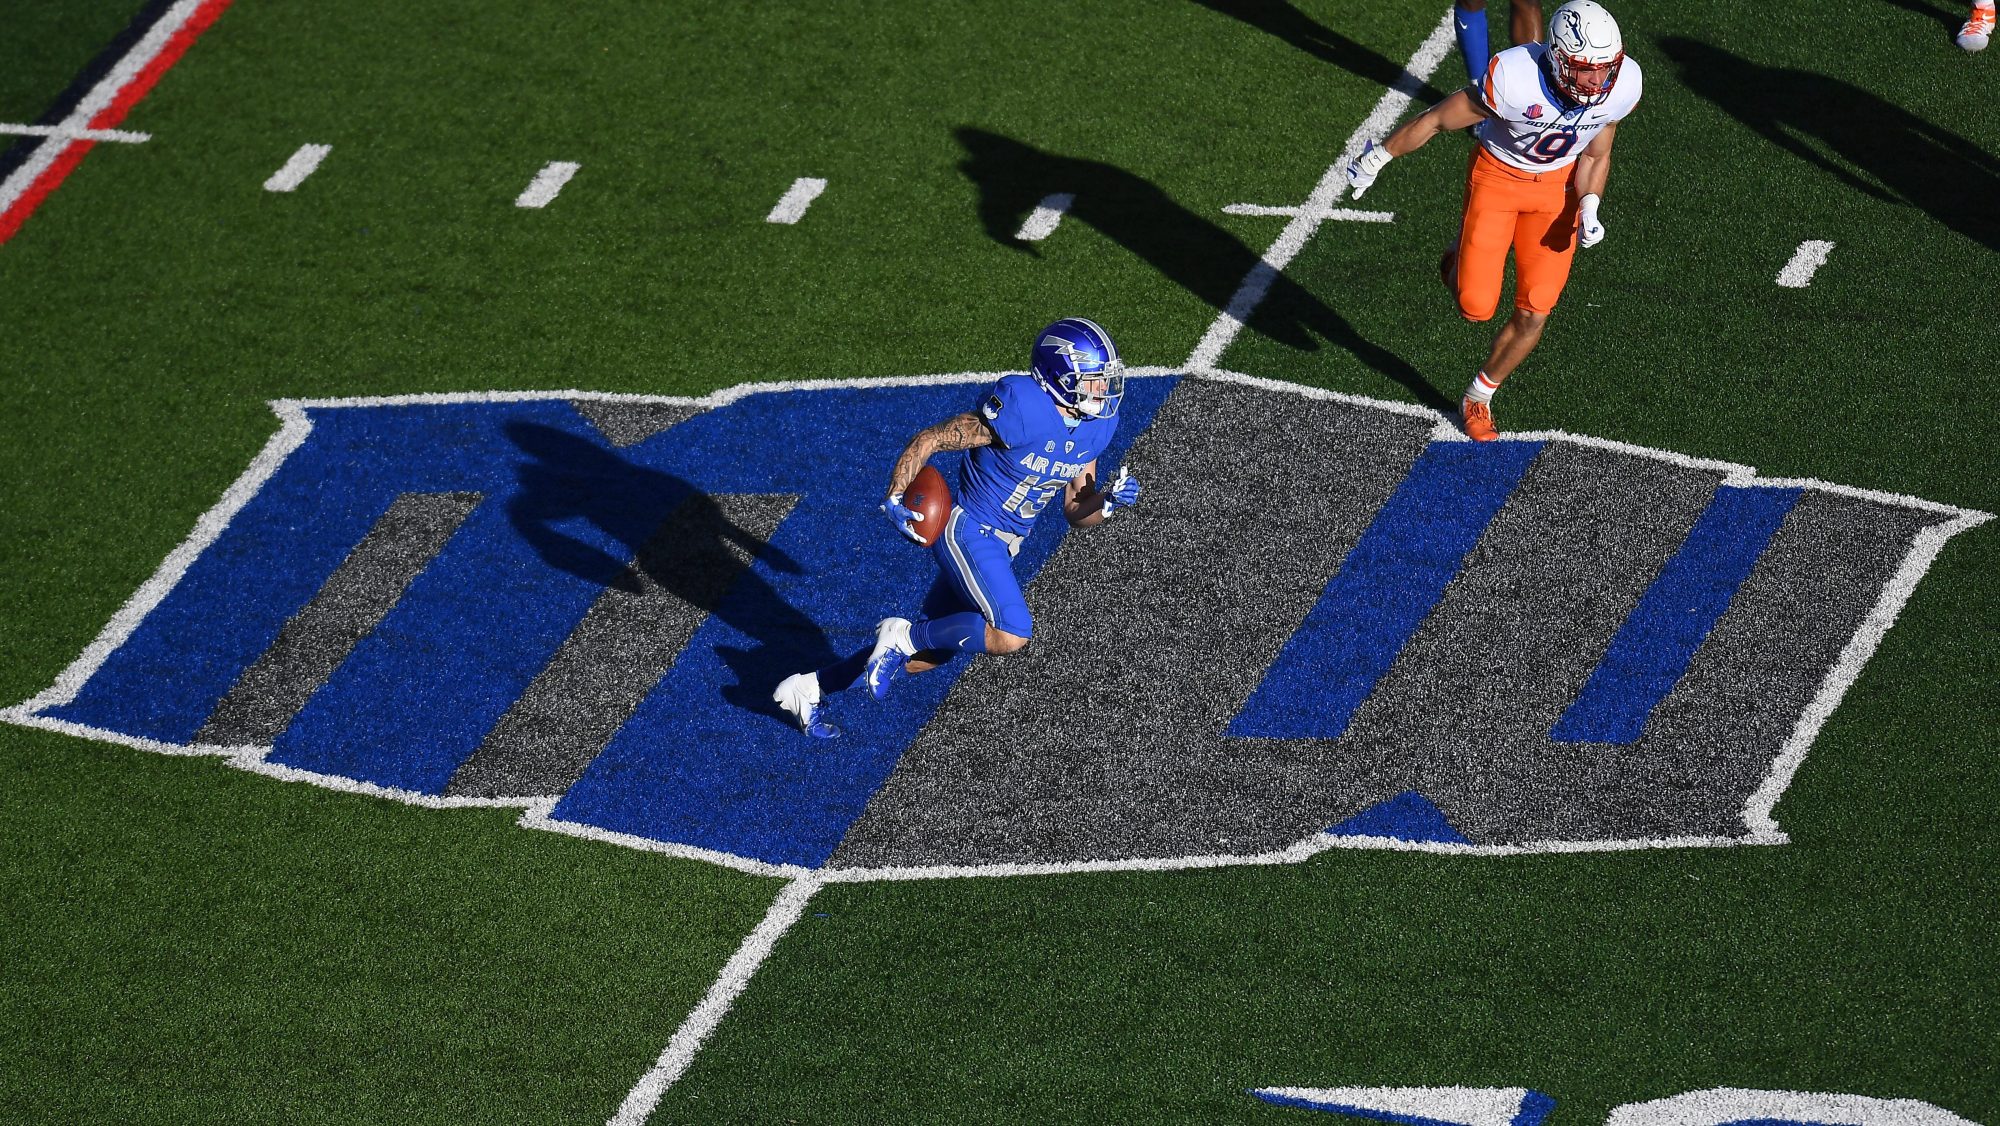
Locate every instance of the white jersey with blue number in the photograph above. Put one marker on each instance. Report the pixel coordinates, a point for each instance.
(1035, 454)
(1534, 127)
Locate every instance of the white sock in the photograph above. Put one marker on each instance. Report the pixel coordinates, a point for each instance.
(1481, 389)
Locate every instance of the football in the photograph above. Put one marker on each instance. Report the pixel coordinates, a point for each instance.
(929, 495)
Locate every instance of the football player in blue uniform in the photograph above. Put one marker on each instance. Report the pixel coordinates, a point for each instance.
(1030, 438)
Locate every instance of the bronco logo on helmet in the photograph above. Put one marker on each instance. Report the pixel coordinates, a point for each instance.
(1585, 50)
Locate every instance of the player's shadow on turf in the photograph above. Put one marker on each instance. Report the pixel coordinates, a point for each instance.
(1194, 253)
(1281, 19)
(672, 537)
(1880, 148)
(1947, 17)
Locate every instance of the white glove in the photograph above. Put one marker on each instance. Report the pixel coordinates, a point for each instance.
(1589, 228)
(1361, 171)
(905, 519)
(1123, 493)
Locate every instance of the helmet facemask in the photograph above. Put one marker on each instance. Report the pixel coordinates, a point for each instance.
(1572, 73)
(1092, 394)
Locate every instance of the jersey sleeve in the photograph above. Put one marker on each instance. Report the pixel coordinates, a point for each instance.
(1497, 90)
(1482, 90)
(1631, 86)
(1003, 411)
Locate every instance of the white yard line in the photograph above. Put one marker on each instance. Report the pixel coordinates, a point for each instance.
(295, 171)
(1331, 188)
(96, 101)
(791, 207)
(1043, 221)
(1347, 213)
(547, 184)
(69, 134)
(1806, 261)
(645, 1095)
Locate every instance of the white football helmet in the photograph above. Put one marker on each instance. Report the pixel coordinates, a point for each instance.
(1584, 50)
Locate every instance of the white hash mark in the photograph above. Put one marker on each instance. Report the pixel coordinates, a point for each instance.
(71, 133)
(547, 183)
(1811, 255)
(1042, 222)
(1347, 213)
(791, 207)
(295, 171)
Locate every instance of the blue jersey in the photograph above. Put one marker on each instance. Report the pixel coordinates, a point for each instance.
(1036, 453)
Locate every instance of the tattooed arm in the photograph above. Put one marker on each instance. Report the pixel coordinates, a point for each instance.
(959, 432)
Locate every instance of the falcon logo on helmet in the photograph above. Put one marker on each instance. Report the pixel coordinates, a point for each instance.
(1585, 50)
(1077, 364)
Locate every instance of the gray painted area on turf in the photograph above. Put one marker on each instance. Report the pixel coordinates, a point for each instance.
(626, 423)
(1105, 739)
(348, 607)
(1466, 709)
(631, 636)
(1714, 737)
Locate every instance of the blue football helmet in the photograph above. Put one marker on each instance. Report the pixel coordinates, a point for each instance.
(1077, 364)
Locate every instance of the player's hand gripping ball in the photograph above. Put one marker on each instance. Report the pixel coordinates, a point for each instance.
(921, 510)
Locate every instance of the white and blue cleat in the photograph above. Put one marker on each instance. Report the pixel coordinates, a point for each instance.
(798, 694)
(893, 648)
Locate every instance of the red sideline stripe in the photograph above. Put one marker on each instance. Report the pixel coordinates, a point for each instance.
(109, 117)
(171, 53)
(71, 156)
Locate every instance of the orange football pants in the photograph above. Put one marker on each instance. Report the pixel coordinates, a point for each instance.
(1533, 212)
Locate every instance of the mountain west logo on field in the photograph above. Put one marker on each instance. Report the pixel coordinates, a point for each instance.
(1325, 627)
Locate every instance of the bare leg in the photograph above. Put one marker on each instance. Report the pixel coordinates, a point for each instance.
(1517, 338)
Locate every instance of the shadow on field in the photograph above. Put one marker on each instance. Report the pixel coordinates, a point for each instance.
(12, 156)
(1883, 150)
(1194, 253)
(1281, 19)
(675, 536)
(1947, 16)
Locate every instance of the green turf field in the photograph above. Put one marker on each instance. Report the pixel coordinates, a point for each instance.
(183, 942)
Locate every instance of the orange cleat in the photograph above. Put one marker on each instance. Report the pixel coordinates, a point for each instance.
(1478, 418)
(1978, 29)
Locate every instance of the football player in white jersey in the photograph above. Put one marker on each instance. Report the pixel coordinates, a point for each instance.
(1546, 117)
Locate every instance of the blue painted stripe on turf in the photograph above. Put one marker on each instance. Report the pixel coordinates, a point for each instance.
(166, 679)
(1298, 1103)
(1384, 590)
(706, 760)
(563, 516)
(1651, 652)
(1409, 816)
(1535, 1107)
